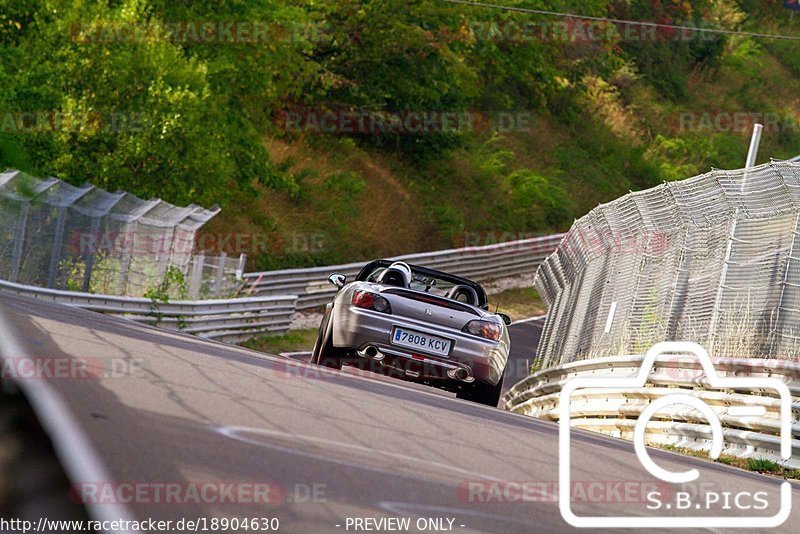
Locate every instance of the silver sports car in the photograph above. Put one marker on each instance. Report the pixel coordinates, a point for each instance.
(418, 324)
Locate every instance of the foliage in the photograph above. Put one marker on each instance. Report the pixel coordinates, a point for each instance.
(195, 117)
(678, 156)
(682, 51)
(154, 118)
(294, 341)
(173, 283)
(762, 465)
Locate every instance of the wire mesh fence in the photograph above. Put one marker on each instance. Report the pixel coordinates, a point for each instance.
(59, 236)
(711, 259)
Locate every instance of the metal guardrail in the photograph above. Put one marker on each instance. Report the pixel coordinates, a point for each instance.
(229, 320)
(478, 263)
(615, 411)
(270, 298)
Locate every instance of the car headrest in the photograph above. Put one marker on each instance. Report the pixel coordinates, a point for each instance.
(394, 277)
(403, 266)
(463, 293)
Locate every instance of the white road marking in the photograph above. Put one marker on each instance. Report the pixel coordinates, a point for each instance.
(297, 354)
(529, 319)
(240, 433)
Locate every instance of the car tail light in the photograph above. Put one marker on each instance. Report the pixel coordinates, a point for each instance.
(484, 329)
(371, 301)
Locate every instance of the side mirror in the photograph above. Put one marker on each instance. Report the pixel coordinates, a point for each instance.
(338, 280)
(506, 319)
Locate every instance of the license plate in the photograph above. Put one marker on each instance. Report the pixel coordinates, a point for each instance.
(418, 340)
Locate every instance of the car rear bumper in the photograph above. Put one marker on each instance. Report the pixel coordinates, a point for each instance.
(359, 329)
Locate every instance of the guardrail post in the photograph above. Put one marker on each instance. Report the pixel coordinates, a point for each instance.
(19, 241)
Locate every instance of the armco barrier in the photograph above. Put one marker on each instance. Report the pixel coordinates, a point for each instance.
(229, 320)
(615, 411)
(478, 263)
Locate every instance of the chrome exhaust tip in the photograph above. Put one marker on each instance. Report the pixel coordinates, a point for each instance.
(372, 353)
(459, 374)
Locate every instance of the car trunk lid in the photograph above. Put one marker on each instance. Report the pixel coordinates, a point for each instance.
(430, 308)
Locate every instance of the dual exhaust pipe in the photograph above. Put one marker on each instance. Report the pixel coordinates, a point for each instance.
(372, 353)
(462, 374)
(459, 374)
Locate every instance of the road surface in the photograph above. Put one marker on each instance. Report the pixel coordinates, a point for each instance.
(524, 341)
(331, 448)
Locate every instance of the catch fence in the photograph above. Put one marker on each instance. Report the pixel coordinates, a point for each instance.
(714, 259)
(59, 236)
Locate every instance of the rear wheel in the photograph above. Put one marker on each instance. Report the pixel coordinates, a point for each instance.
(483, 393)
(324, 353)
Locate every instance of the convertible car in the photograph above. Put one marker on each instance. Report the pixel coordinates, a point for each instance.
(418, 324)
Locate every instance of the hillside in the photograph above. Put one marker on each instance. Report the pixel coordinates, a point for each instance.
(476, 125)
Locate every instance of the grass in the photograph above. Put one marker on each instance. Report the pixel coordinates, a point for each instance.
(759, 465)
(294, 341)
(519, 303)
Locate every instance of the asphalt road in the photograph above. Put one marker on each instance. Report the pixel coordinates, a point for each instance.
(333, 447)
(524, 341)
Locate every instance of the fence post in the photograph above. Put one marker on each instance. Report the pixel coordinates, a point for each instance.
(87, 272)
(197, 275)
(220, 274)
(58, 241)
(242, 265)
(19, 241)
(163, 261)
(752, 152)
(129, 240)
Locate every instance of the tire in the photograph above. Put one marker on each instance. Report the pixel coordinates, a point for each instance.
(324, 353)
(483, 393)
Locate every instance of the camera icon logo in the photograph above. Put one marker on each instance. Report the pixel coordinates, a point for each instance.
(714, 381)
